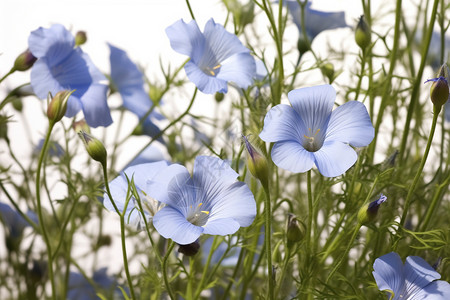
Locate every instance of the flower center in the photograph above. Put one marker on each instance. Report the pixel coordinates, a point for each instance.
(312, 142)
(151, 205)
(212, 71)
(197, 216)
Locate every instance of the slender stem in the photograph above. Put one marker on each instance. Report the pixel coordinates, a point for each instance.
(434, 202)
(164, 269)
(39, 210)
(420, 169)
(349, 246)
(267, 238)
(190, 9)
(7, 74)
(310, 210)
(205, 269)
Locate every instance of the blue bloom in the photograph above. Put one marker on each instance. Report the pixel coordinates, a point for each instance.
(315, 21)
(60, 66)
(130, 83)
(14, 221)
(54, 149)
(217, 56)
(416, 280)
(81, 289)
(141, 176)
(309, 132)
(210, 202)
(149, 155)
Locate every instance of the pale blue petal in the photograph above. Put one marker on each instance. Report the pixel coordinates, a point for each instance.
(73, 106)
(94, 105)
(55, 43)
(418, 274)
(42, 80)
(388, 273)
(205, 83)
(239, 68)
(182, 194)
(118, 189)
(171, 224)
(437, 290)
(208, 170)
(334, 158)
(282, 123)
(136, 100)
(142, 173)
(124, 73)
(350, 123)
(73, 72)
(157, 187)
(221, 226)
(290, 155)
(314, 105)
(223, 43)
(186, 39)
(149, 155)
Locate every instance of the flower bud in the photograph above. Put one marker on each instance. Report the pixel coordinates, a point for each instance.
(303, 45)
(17, 103)
(295, 230)
(439, 91)
(94, 147)
(328, 71)
(368, 212)
(58, 105)
(362, 34)
(24, 61)
(80, 38)
(219, 97)
(81, 126)
(189, 249)
(256, 162)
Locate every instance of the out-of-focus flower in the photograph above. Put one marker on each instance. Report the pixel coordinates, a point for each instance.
(413, 281)
(149, 155)
(14, 221)
(309, 132)
(315, 21)
(369, 212)
(141, 175)
(54, 149)
(434, 51)
(217, 56)
(81, 289)
(60, 66)
(210, 202)
(129, 82)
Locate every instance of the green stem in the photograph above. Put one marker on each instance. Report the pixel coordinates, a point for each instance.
(349, 246)
(190, 9)
(39, 210)
(267, 238)
(310, 211)
(164, 270)
(434, 202)
(205, 269)
(7, 74)
(420, 169)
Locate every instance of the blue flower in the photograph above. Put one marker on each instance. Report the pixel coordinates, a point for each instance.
(415, 280)
(315, 21)
(141, 176)
(14, 221)
(309, 132)
(60, 66)
(81, 289)
(210, 202)
(130, 83)
(149, 155)
(217, 56)
(54, 149)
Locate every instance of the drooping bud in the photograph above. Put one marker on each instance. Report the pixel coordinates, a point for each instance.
(256, 162)
(368, 212)
(328, 71)
(219, 97)
(94, 147)
(362, 34)
(58, 105)
(80, 38)
(439, 91)
(303, 45)
(295, 230)
(24, 61)
(189, 249)
(17, 103)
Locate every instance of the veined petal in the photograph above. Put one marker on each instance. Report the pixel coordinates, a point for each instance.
(290, 155)
(388, 272)
(350, 123)
(222, 43)
(314, 105)
(124, 72)
(94, 105)
(221, 226)
(136, 100)
(73, 106)
(149, 155)
(282, 123)
(334, 158)
(55, 43)
(73, 71)
(208, 170)
(42, 80)
(205, 83)
(436, 290)
(187, 39)
(171, 224)
(157, 187)
(142, 173)
(239, 68)
(418, 274)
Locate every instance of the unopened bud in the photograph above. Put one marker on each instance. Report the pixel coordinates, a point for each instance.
(256, 162)
(295, 230)
(368, 213)
(24, 61)
(94, 147)
(303, 45)
(328, 70)
(439, 91)
(189, 249)
(219, 97)
(80, 38)
(17, 103)
(362, 34)
(58, 105)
